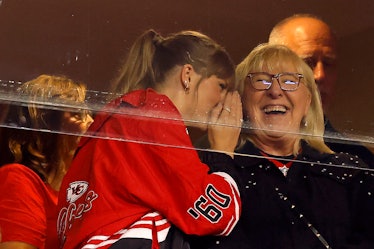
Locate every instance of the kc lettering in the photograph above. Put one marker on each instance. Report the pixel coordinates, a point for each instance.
(74, 210)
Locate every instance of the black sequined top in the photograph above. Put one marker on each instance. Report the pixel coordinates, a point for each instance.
(324, 201)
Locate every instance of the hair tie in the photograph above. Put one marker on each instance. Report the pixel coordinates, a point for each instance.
(157, 39)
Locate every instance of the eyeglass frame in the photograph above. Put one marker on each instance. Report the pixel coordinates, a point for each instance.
(276, 76)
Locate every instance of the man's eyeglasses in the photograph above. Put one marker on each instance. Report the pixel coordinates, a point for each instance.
(286, 81)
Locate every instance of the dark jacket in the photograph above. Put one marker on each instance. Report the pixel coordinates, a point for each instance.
(339, 143)
(316, 205)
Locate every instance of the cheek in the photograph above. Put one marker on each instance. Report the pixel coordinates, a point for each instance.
(83, 127)
(250, 106)
(302, 102)
(75, 125)
(216, 97)
(210, 97)
(70, 124)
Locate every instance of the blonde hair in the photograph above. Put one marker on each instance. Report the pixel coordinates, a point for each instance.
(271, 57)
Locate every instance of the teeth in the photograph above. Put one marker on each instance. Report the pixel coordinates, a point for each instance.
(275, 109)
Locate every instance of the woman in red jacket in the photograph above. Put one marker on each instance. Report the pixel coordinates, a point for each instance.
(138, 172)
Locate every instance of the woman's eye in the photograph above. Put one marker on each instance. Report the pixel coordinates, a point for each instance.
(223, 86)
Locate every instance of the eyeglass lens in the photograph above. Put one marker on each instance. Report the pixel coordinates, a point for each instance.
(263, 81)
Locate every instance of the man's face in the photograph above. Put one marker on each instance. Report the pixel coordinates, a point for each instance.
(312, 40)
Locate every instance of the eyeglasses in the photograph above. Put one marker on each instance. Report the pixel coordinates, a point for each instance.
(286, 81)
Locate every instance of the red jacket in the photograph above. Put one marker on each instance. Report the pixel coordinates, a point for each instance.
(143, 164)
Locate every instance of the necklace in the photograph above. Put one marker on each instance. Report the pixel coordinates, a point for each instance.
(283, 167)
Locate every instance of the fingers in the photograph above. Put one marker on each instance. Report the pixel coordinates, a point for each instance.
(216, 112)
(228, 109)
(232, 113)
(224, 130)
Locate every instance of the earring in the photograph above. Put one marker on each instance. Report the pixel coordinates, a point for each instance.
(305, 122)
(186, 87)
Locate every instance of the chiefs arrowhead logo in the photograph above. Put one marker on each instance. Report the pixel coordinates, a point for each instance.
(76, 190)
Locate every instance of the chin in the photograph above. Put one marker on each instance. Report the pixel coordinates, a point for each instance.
(279, 131)
(274, 134)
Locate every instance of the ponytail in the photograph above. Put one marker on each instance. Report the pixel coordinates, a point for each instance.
(137, 71)
(151, 57)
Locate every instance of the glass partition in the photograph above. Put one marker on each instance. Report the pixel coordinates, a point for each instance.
(87, 41)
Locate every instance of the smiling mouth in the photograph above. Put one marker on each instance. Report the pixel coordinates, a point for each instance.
(275, 109)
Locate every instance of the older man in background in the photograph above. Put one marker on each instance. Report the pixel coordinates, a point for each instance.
(314, 41)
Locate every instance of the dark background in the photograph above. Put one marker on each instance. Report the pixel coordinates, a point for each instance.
(87, 39)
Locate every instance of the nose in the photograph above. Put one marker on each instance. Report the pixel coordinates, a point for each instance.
(275, 90)
(89, 120)
(319, 72)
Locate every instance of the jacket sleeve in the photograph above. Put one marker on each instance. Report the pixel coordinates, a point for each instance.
(220, 162)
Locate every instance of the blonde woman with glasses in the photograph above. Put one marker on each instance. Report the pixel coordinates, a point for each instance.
(297, 193)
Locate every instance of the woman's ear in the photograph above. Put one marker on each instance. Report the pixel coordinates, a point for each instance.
(187, 71)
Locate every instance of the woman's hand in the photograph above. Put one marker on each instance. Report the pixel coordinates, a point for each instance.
(225, 124)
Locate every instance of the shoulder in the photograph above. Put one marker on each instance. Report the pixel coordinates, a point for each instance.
(17, 180)
(18, 172)
(154, 116)
(140, 107)
(342, 167)
(340, 158)
(22, 205)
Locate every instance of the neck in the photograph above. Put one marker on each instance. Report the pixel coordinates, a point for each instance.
(59, 170)
(172, 87)
(56, 176)
(275, 146)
